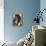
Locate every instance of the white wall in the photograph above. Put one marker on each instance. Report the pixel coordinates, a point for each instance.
(43, 6)
(1, 20)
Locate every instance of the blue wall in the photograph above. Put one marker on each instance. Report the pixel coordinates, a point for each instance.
(28, 8)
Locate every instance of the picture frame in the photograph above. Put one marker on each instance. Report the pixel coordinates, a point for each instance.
(17, 19)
